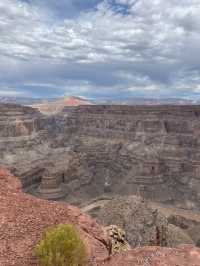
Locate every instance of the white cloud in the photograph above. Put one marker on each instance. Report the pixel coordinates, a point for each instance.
(10, 92)
(144, 49)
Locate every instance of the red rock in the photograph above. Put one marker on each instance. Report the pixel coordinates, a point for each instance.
(24, 218)
(75, 101)
(8, 182)
(59, 105)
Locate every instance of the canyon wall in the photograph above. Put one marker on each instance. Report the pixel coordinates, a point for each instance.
(147, 150)
(23, 140)
(152, 151)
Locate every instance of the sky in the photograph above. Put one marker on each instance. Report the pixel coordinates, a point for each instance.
(100, 49)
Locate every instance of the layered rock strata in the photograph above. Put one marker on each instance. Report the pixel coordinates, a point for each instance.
(152, 151)
(22, 134)
(50, 189)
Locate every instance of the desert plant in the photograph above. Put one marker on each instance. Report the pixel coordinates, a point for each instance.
(61, 246)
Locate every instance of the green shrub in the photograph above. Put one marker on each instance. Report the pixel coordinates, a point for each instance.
(61, 246)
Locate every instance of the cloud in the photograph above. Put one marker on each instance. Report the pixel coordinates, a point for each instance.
(10, 92)
(105, 48)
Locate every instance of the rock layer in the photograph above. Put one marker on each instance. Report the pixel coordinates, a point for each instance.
(50, 189)
(152, 151)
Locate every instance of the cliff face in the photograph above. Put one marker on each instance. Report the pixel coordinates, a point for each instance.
(22, 134)
(152, 151)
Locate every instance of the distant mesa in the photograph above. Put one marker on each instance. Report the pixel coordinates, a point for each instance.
(59, 104)
(47, 105)
(75, 101)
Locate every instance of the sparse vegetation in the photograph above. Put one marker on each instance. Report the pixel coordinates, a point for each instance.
(61, 246)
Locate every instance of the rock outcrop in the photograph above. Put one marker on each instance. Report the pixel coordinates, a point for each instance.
(24, 218)
(143, 224)
(23, 137)
(117, 238)
(187, 221)
(50, 189)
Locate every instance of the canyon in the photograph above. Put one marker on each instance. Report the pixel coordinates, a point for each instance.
(98, 150)
(133, 166)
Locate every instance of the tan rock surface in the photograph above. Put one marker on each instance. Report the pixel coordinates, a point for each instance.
(155, 256)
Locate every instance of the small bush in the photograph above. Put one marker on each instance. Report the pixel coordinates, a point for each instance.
(61, 246)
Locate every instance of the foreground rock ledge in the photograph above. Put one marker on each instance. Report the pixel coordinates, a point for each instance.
(24, 218)
(185, 255)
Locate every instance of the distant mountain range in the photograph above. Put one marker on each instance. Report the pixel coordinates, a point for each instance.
(153, 101)
(23, 100)
(51, 105)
